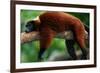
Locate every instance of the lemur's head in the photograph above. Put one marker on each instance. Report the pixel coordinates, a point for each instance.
(32, 25)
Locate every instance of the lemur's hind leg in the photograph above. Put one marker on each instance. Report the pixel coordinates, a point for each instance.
(71, 49)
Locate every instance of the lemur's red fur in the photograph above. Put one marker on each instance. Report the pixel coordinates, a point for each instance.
(49, 24)
(52, 23)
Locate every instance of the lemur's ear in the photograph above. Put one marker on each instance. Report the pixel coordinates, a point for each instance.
(37, 20)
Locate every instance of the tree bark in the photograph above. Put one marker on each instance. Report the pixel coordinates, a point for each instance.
(33, 36)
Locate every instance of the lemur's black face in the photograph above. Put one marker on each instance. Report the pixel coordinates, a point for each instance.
(30, 26)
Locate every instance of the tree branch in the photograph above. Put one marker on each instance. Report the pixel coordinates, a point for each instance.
(33, 36)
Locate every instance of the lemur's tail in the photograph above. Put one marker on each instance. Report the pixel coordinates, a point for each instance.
(86, 28)
(87, 31)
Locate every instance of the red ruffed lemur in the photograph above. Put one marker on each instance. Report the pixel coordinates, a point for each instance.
(49, 24)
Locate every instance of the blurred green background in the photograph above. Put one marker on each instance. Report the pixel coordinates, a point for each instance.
(29, 51)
